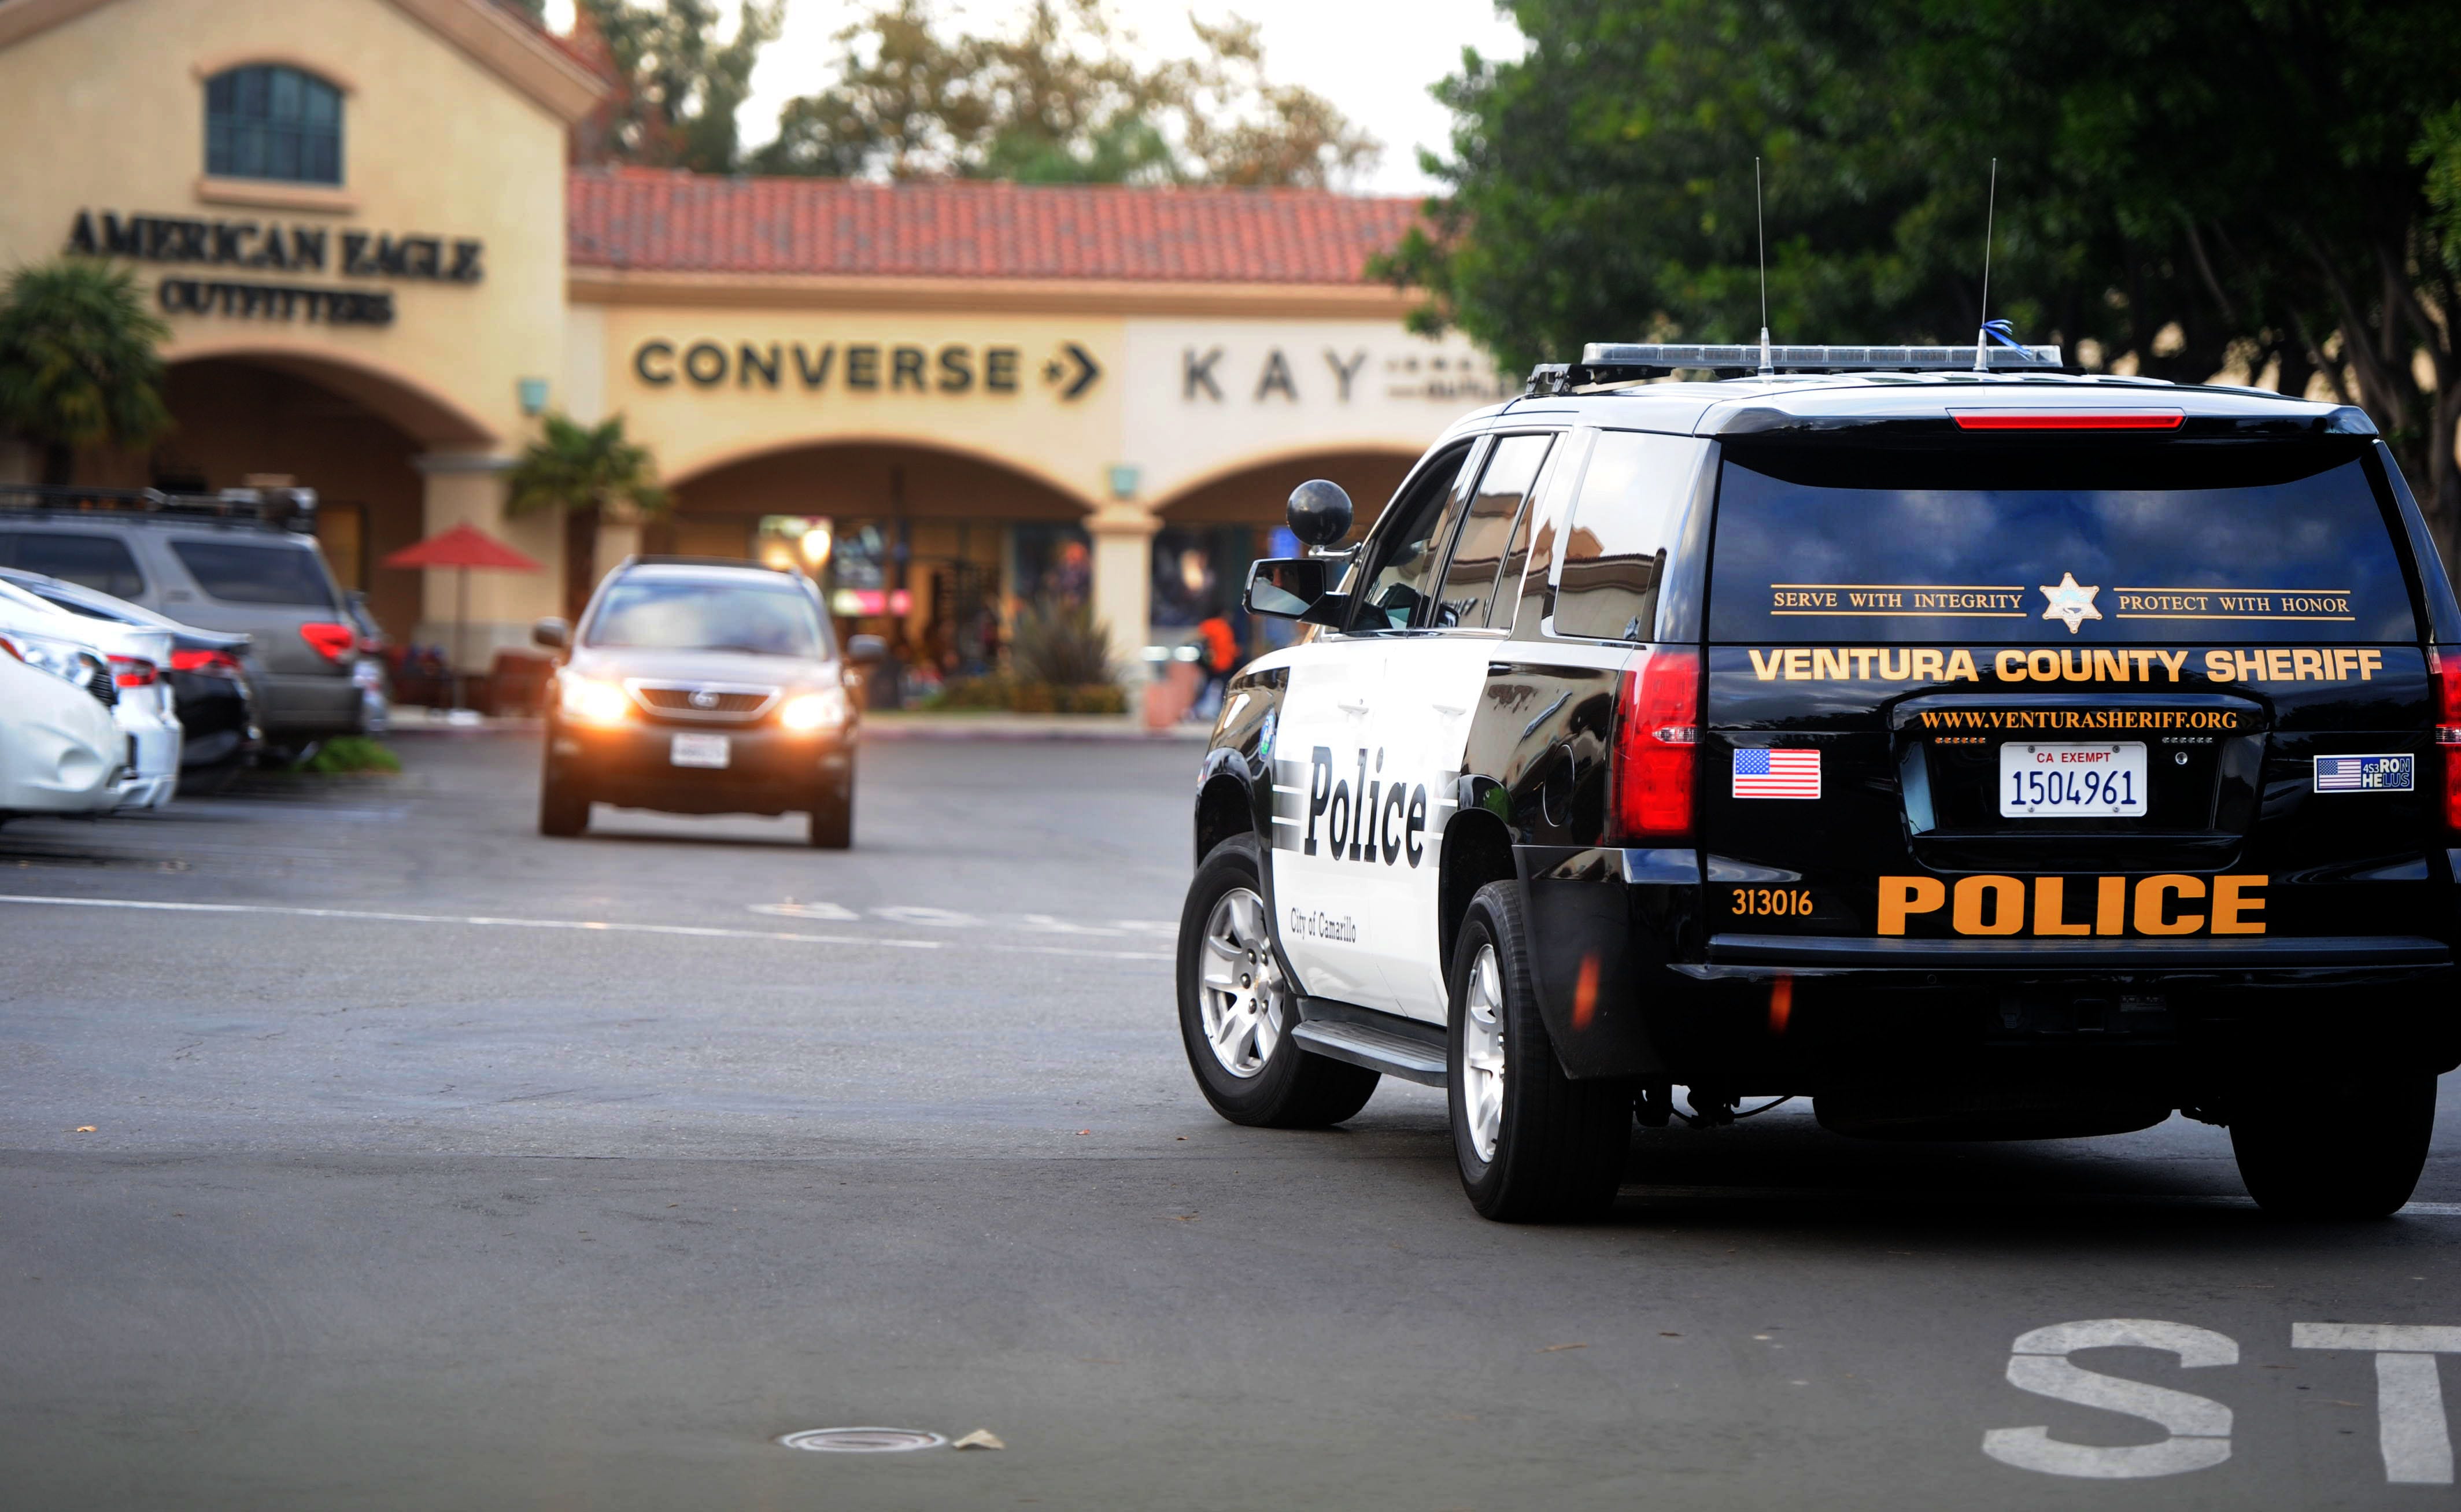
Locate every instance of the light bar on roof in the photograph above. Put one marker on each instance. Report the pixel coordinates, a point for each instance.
(2068, 420)
(1667, 357)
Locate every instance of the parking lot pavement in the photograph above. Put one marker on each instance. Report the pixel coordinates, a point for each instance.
(361, 1148)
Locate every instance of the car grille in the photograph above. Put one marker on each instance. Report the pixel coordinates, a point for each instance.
(105, 689)
(732, 703)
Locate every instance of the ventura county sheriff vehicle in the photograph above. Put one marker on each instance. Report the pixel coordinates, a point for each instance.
(1982, 753)
(379, 274)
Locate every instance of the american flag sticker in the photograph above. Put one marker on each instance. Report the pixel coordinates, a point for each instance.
(1761, 772)
(2367, 774)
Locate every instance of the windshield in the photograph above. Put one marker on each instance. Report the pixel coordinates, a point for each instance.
(681, 616)
(2278, 542)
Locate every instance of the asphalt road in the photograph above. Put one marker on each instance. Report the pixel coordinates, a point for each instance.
(358, 1148)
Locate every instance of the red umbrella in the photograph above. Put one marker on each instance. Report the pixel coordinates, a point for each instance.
(462, 547)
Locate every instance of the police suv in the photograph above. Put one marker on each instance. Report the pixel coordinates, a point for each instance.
(1983, 754)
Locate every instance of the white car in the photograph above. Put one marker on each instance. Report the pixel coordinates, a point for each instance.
(137, 657)
(60, 752)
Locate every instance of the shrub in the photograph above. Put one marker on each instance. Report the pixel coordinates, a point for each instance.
(344, 754)
(1061, 643)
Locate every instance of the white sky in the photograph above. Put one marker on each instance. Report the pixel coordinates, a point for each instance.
(1373, 58)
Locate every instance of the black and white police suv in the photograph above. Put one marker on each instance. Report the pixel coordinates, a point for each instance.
(2006, 753)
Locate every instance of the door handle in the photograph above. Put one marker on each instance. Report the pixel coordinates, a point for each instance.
(1456, 711)
(1349, 708)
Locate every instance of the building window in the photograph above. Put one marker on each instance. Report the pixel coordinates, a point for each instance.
(267, 121)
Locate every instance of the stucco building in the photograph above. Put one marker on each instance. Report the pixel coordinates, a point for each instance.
(358, 217)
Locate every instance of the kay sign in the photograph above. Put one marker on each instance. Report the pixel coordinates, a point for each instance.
(2410, 1427)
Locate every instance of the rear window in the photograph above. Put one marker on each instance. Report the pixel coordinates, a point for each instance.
(236, 573)
(2279, 542)
(101, 563)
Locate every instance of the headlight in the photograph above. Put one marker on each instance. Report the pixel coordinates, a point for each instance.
(62, 659)
(809, 712)
(591, 702)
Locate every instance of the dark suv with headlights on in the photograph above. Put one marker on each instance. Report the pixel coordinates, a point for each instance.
(701, 686)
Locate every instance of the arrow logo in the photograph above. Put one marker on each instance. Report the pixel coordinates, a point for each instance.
(1077, 359)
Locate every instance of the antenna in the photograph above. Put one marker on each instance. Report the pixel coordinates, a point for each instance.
(1983, 333)
(1760, 223)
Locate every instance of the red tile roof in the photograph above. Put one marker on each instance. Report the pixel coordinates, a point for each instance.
(674, 222)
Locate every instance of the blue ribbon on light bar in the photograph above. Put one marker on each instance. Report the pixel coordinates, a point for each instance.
(2002, 332)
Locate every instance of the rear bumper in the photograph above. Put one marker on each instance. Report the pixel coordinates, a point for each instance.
(768, 770)
(1633, 981)
(311, 705)
(1767, 955)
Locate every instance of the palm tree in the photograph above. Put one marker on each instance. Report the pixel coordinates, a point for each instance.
(581, 470)
(78, 364)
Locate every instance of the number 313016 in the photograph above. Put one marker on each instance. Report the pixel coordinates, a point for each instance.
(1777, 902)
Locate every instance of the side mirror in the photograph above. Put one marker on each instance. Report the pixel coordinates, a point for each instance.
(1319, 513)
(866, 651)
(1296, 589)
(552, 632)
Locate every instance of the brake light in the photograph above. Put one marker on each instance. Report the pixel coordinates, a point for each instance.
(332, 642)
(10, 647)
(1658, 734)
(220, 663)
(2068, 420)
(2445, 671)
(132, 671)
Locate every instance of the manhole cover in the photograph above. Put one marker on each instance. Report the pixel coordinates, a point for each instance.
(864, 1440)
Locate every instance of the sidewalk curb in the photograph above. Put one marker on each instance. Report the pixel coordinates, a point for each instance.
(1096, 728)
(890, 726)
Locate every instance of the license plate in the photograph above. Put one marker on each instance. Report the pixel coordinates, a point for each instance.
(2072, 781)
(708, 750)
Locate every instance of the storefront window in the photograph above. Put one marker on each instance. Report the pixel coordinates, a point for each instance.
(268, 121)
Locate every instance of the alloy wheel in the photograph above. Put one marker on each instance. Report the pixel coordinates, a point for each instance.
(1481, 1053)
(1240, 985)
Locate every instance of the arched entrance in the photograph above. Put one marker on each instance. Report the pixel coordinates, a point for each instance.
(1212, 530)
(280, 418)
(931, 549)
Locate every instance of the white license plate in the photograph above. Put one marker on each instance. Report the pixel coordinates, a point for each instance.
(708, 750)
(2072, 781)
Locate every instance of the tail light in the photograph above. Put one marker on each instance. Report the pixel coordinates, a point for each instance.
(220, 664)
(332, 642)
(134, 671)
(1658, 735)
(2445, 671)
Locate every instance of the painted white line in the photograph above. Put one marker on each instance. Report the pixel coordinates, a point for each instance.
(585, 926)
(1914, 1194)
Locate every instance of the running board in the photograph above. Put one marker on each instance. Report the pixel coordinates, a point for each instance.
(1384, 1042)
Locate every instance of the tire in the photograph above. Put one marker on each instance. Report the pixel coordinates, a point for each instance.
(832, 827)
(2310, 1154)
(563, 810)
(1259, 1075)
(1533, 1145)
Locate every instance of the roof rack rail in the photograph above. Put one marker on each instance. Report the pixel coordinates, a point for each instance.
(664, 560)
(1607, 363)
(293, 509)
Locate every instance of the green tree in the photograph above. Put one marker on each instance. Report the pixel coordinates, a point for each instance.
(2247, 184)
(79, 361)
(1063, 96)
(677, 85)
(582, 471)
(577, 467)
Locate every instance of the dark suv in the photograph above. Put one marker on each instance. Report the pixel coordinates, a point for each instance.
(701, 686)
(1984, 754)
